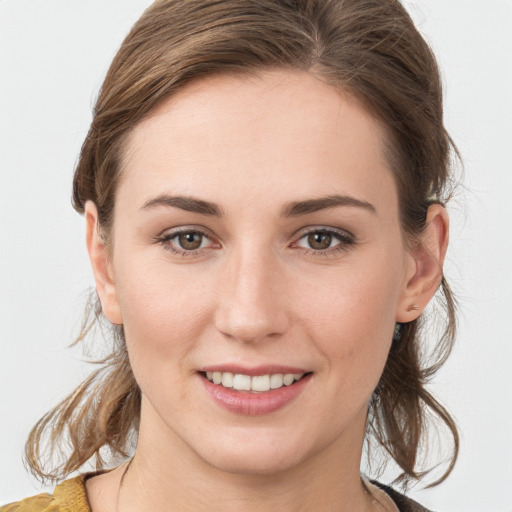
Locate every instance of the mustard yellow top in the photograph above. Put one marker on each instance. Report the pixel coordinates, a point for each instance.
(69, 496)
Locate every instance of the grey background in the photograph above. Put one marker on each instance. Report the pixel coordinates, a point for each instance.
(53, 56)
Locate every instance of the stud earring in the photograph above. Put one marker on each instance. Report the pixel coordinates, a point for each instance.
(413, 307)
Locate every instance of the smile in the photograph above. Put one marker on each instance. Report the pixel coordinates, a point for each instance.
(256, 383)
(254, 391)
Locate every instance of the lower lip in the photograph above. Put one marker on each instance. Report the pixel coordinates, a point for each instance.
(254, 404)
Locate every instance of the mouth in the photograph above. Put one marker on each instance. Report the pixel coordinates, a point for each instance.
(253, 383)
(255, 394)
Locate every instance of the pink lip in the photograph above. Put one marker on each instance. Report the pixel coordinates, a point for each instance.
(253, 404)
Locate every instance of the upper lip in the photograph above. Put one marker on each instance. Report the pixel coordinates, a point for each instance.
(266, 369)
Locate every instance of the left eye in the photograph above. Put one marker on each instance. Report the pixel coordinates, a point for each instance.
(321, 240)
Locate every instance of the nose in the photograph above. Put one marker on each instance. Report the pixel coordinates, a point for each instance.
(252, 299)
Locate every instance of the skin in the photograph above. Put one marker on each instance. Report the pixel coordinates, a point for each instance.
(257, 292)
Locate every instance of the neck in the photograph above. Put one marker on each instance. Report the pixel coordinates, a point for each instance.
(165, 472)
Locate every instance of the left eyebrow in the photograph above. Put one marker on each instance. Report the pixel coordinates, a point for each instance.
(322, 203)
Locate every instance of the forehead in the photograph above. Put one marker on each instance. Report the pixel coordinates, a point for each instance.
(248, 134)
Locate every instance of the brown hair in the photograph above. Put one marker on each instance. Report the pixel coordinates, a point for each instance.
(369, 48)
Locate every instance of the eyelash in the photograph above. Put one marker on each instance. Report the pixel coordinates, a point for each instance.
(345, 239)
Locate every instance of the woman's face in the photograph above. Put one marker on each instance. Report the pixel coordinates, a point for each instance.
(257, 234)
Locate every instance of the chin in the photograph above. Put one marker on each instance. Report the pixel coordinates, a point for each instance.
(263, 464)
(255, 453)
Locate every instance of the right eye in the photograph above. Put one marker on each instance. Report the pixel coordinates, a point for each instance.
(185, 242)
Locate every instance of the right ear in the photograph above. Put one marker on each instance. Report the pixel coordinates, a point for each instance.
(101, 266)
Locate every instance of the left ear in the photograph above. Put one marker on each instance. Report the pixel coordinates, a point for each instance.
(426, 265)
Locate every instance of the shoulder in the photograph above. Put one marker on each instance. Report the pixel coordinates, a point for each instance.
(69, 496)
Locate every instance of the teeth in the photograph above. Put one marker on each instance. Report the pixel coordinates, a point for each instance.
(241, 382)
(288, 379)
(227, 380)
(276, 381)
(259, 383)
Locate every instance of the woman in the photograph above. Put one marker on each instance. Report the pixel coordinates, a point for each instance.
(263, 187)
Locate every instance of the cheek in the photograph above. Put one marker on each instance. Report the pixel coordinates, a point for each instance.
(163, 312)
(164, 316)
(351, 317)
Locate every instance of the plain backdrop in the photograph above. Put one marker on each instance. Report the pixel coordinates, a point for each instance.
(53, 57)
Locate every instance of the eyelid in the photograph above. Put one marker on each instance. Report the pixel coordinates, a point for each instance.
(188, 228)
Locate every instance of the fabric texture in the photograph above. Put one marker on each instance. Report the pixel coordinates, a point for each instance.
(70, 496)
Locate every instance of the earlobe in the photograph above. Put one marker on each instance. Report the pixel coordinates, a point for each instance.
(426, 265)
(101, 266)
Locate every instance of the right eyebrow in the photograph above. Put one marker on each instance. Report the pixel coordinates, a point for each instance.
(189, 204)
